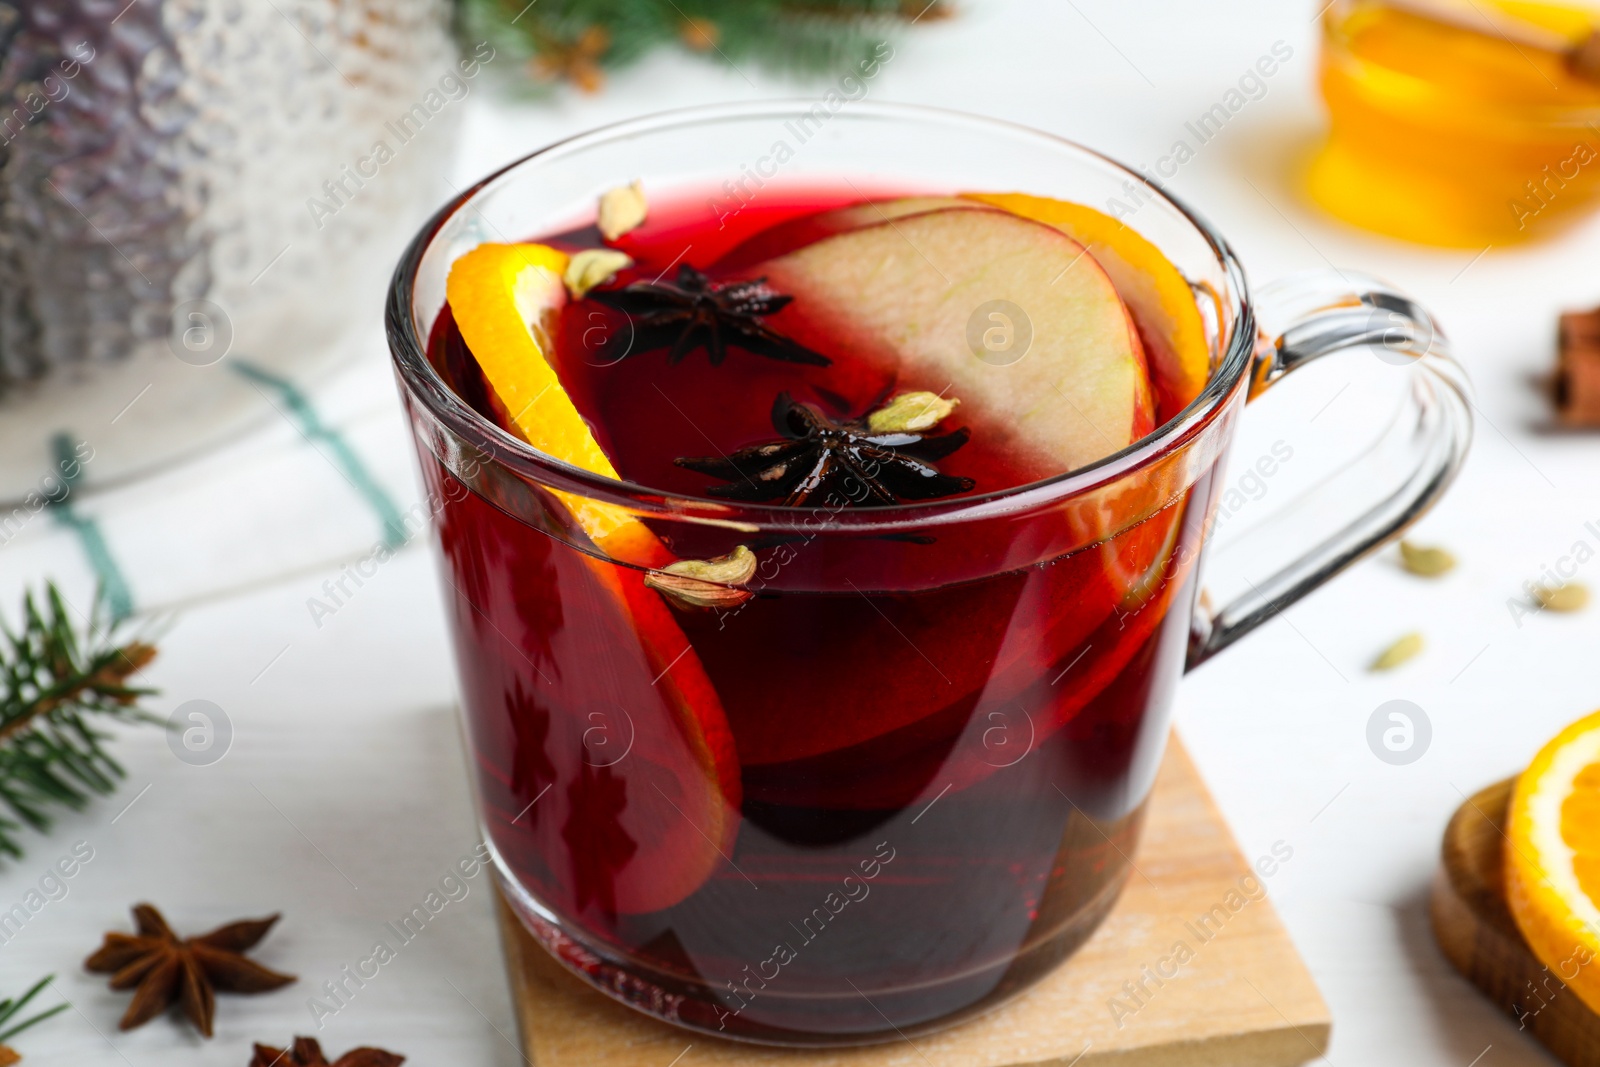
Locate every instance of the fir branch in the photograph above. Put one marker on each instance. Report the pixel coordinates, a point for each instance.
(800, 41)
(9, 1009)
(575, 39)
(55, 686)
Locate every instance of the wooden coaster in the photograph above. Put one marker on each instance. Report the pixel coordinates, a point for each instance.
(1478, 935)
(1244, 997)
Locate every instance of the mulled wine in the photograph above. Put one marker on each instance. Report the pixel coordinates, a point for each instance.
(780, 775)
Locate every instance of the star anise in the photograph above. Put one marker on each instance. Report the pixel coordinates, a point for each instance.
(307, 1053)
(696, 312)
(852, 461)
(163, 969)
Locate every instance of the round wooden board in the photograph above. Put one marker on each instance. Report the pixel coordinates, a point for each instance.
(1478, 935)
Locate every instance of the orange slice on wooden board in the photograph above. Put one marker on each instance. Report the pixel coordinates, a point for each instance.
(1553, 857)
(1155, 291)
(504, 298)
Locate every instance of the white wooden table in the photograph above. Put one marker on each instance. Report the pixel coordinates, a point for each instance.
(343, 800)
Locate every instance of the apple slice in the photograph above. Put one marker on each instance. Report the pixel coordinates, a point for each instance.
(1157, 293)
(1057, 367)
(788, 236)
(902, 294)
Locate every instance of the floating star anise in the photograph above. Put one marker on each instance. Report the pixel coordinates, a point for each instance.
(696, 312)
(848, 461)
(163, 969)
(306, 1052)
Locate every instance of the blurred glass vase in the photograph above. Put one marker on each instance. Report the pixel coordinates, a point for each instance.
(186, 183)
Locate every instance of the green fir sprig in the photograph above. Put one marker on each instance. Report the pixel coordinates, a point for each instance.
(56, 683)
(11, 1007)
(577, 40)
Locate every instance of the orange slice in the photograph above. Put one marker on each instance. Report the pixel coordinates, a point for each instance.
(505, 299)
(1156, 292)
(1553, 856)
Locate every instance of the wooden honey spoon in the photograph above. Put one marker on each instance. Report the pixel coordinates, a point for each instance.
(1582, 58)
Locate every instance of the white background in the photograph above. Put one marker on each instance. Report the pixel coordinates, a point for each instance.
(343, 799)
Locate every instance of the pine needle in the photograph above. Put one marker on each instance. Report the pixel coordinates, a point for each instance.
(574, 39)
(9, 1008)
(57, 682)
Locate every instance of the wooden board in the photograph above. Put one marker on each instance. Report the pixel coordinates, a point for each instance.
(1244, 999)
(1476, 931)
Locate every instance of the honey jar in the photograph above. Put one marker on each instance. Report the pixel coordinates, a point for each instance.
(1463, 124)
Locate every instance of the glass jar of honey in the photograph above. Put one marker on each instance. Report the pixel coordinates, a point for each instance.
(1458, 124)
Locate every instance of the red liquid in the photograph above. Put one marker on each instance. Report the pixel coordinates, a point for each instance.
(927, 788)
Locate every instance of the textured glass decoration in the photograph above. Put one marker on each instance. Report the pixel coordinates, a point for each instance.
(187, 182)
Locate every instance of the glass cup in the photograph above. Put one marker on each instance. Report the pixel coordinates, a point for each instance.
(896, 777)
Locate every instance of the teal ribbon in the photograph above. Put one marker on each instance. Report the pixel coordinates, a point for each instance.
(113, 586)
(305, 417)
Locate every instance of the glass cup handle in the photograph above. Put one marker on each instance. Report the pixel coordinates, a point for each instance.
(1305, 317)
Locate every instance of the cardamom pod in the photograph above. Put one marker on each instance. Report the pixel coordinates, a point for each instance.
(911, 413)
(622, 210)
(706, 583)
(592, 267)
(1426, 561)
(1569, 596)
(1402, 650)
